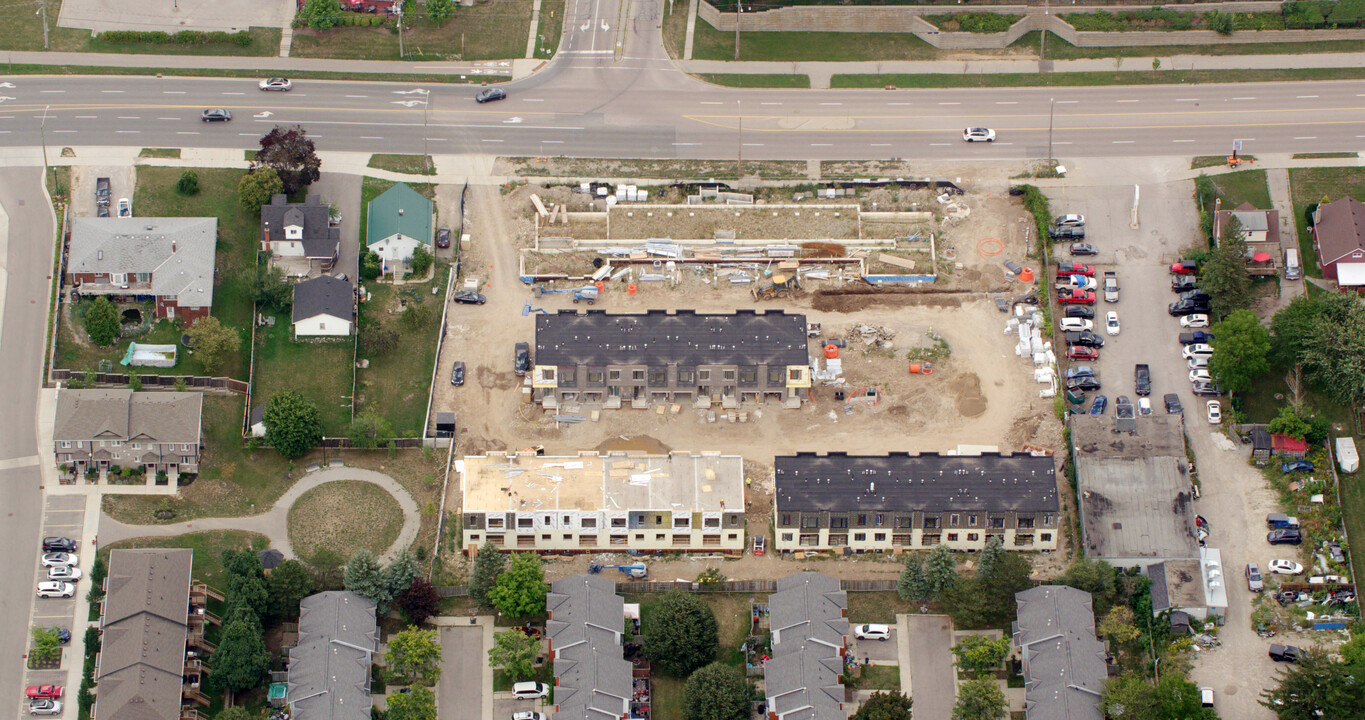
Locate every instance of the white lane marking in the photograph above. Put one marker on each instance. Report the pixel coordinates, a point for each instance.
(246, 134)
(711, 102)
(439, 140)
(1127, 101)
(1062, 142)
(1187, 99)
(1182, 141)
(1311, 137)
(63, 131)
(1123, 142)
(435, 125)
(232, 93)
(86, 117)
(1067, 102)
(487, 140)
(533, 99)
(939, 144)
(895, 104)
(1007, 102)
(134, 132)
(51, 91)
(6, 117)
(168, 118)
(1305, 97)
(553, 142)
(112, 91)
(370, 137)
(128, 117)
(881, 144)
(1244, 98)
(1000, 144)
(950, 103)
(1245, 139)
(4, 132)
(357, 96)
(686, 143)
(831, 103)
(770, 103)
(173, 92)
(185, 132)
(753, 144)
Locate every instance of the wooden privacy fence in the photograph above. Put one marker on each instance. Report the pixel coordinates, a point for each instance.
(151, 382)
(728, 586)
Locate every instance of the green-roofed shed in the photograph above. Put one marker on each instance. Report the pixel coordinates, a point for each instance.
(398, 221)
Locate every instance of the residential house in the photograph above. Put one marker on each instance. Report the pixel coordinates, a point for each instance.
(1064, 663)
(323, 307)
(1260, 229)
(1339, 236)
(329, 667)
(1194, 587)
(300, 237)
(152, 623)
(593, 680)
(100, 429)
(398, 222)
(607, 360)
(808, 619)
(878, 503)
(166, 260)
(594, 502)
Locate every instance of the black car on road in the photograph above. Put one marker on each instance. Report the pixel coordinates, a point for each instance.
(1284, 536)
(443, 238)
(1181, 283)
(216, 115)
(1079, 311)
(1085, 338)
(59, 544)
(490, 94)
(1083, 249)
(1206, 389)
(1173, 406)
(457, 373)
(1188, 307)
(1284, 653)
(1085, 383)
(469, 297)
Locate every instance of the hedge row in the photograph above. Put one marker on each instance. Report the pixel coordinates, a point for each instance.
(351, 19)
(974, 22)
(184, 37)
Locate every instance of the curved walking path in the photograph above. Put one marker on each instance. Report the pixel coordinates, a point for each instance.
(274, 523)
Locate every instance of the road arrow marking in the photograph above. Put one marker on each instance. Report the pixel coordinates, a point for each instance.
(6, 85)
(513, 121)
(409, 103)
(416, 91)
(5, 97)
(265, 114)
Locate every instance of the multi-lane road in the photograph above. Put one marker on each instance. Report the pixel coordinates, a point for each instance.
(613, 92)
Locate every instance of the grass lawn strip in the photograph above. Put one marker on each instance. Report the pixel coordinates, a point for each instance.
(398, 382)
(320, 371)
(408, 164)
(160, 153)
(1085, 79)
(550, 29)
(208, 547)
(1311, 185)
(344, 516)
(38, 69)
(1242, 186)
(1324, 155)
(495, 30)
(879, 677)
(773, 80)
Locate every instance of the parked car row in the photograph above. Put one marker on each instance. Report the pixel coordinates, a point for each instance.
(61, 562)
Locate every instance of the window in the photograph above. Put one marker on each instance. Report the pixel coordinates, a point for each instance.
(658, 536)
(786, 519)
(903, 521)
(568, 536)
(952, 537)
(881, 520)
(618, 522)
(686, 375)
(525, 522)
(614, 375)
(732, 536)
(545, 537)
(495, 522)
(66, 443)
(931, 523)
(1025, 523)
(971, 520)
(786, 537)
(728, 374)
(954, 519)
(322, 326)
(589, 523)
(705, 375)
(1047, 537)
(838, 522)
(1048, 520)
(473, 537)
(137, 446)
(879, 537)
(682, 523)
(997, 522)
(568, 376)
(637, 375)
(774, 376)
(810, 522)
(658, 377)
(748, 376)
(862, 519)
(931, 539)
(859, 537)
(710, 522)
(973, 537)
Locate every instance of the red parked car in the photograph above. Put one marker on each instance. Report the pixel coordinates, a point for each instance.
(1080, 352)
(1074, 268)
(1184, 268)
(43, 691)
(1084, 297)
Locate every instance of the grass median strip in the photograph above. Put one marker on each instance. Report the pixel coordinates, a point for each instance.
(1085, 79)
(408, 164)
(170, 153)
(761, 80)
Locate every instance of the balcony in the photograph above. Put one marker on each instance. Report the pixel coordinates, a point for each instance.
(200, 593)
(192, 694)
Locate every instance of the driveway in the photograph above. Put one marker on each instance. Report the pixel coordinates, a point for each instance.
(879, 652)
(121, 180)
(459, 694)
(343, 191)
(929, 661)
(1234, 495)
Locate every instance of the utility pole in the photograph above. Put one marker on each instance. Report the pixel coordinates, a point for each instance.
(1051, 103)
(739, 15)
(42, 10)
(1042, 42)
(401, 54)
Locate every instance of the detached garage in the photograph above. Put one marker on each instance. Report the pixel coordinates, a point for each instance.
(323, 307)
(1339, 233)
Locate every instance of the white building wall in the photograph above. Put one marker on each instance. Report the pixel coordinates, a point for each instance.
(322, 326)
(395, 248)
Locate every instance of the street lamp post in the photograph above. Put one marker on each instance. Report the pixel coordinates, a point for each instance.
(42, 136)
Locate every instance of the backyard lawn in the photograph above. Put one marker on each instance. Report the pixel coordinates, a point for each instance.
(344, 517)
(320, 371)
(1311, 185)
(208, 547)
(76, 352)
(398, 379)
(494, 30)
(1242, 186)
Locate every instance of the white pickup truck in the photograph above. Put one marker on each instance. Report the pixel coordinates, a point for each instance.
(1111, 286)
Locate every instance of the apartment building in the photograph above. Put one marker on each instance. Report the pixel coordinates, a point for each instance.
(611, 360)
(808, 618)
(103, 429)
(879, 503)
(593, 680)
(169, 261)
(594, 502)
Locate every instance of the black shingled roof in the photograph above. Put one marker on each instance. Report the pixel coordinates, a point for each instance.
(324, 294)
(901, 482)
(662, 338)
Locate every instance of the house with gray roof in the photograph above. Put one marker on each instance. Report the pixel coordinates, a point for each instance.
(1064, 663)
(167, 260)
(808, 619)
(323, 307)
(300, 237)
(397, 223)
(593, 680)
(329, 668)
(150, 617)
(100, 429)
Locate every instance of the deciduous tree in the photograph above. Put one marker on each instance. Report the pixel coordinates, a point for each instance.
(1288, 422)
(440, 10)
(269, 289)
(292, 425)
(101, 321)
(213, 342)
(370, 429)
(417, 704)
(291, 154)
(46, 645)
(1118, 626)
(978, 653)
(1334, 351)
(1290, 329)
(1316, 687)
(414, 655)
(1241, 347)
(420, 260)
(520, 590)
(488, 564)
(320, 14)
(290, 582)
(980, 699)
(682, 634)
(884, 705)
(257, 187)
(241, 661)
(716, 692)
(419, 602)
(236, 712)
(515, 652)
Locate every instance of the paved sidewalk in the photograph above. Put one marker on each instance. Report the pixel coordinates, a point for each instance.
(282, 65)
(274, 523)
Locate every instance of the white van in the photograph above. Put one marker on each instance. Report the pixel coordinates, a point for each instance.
(1292, 269)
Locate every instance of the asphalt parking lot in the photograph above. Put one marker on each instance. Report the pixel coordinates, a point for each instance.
(64, 516)
(460, 689)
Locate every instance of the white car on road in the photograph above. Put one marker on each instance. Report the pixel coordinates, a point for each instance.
(1215, 411)
(1111, 322)
(1284, 567)
(55, 559)
(1194, 322)
(978, 134)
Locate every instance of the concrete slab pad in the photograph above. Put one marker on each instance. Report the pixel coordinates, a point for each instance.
(175, 15)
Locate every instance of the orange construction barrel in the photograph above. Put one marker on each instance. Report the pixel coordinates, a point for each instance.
(1026, 275)
(914, 368)
(831, 351)
(631, 289)
(601, 286)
